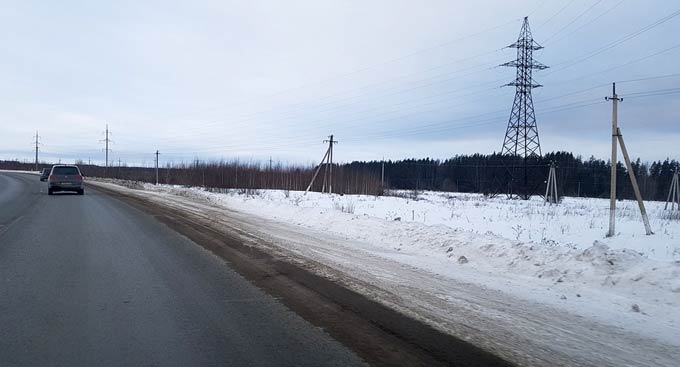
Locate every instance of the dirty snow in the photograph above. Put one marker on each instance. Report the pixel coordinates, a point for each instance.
(553, 262)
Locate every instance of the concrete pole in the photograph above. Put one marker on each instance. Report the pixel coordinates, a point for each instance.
(157, 166)
(547, 186)
(673, 193)
(36, 150)
(382, 175)
(330, 170)
(317, 172)
(612, 192)
(555, 185)
(636, 188)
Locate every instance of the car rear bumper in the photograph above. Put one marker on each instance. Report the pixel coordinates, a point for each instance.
(65, 186)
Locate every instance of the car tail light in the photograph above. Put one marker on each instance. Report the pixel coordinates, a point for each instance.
(53, 177)
(79, 177)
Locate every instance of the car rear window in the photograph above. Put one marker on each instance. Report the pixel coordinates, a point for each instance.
(71, 171)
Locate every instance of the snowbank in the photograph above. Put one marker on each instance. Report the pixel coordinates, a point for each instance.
(554, 260)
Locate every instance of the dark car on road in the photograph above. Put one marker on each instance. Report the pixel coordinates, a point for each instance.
(44, 174)
(65, 178)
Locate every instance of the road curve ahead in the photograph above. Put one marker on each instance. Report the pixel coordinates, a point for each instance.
(91, 281)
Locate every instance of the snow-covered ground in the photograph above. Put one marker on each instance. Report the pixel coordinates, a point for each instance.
(509, 270)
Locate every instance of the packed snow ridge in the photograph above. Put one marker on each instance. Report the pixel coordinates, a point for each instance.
(554, 255)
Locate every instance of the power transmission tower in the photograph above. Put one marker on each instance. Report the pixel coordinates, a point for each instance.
(157, 153)
(617, 136)
(673, 193)
(327, 164)
(521, 141)
(106, 141)
(37, 148)
(551, 187)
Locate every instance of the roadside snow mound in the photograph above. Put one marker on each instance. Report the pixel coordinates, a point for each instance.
(384, 222)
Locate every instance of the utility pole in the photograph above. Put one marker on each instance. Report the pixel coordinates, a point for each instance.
(673, 193)
(612, 192)
(330, 142)
(106, 149)
(270, 175)
(633, 181)
(325, 162)
(120, 163)
(551, 187)
(618, 137)
(157, 166)
(382, 174)
(37, 144)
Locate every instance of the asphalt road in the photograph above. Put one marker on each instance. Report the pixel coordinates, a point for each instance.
(91, 281)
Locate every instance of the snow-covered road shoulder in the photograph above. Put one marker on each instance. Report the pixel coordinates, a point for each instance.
(534, 283)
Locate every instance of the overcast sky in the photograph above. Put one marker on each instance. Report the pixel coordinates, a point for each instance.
(254, 79)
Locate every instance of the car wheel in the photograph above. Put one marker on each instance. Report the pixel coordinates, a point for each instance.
(49, 191)
(81, 192)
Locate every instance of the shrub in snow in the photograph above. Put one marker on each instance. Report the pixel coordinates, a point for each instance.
(345, 208)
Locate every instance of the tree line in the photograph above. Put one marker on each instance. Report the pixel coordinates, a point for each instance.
(493, 174)
(480, 173)
(234, 174)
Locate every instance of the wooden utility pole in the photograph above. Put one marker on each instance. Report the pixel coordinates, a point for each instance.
(612, 192)
(551, 187)
(618, 137)
(673, 193)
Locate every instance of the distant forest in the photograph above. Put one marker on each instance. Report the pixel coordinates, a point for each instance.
(489, 173)
(463, 173)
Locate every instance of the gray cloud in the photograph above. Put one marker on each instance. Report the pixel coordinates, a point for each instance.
(256, 79)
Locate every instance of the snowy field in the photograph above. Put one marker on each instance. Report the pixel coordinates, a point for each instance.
(550, 258)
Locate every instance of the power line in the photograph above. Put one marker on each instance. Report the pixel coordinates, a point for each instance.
(184, 136)
(609, 46)
(600, 72)
(445, 125)
(587, 23)
(400, 90)
(572, 21)
(389, 61)
(556, 14)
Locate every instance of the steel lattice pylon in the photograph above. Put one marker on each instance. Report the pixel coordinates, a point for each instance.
(521, 137)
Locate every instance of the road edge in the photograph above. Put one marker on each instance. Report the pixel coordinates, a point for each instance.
(378, 334)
